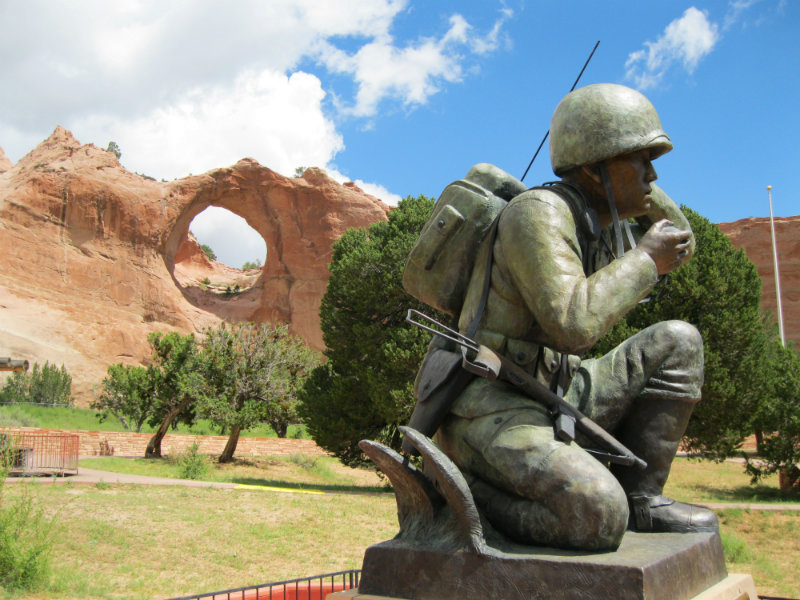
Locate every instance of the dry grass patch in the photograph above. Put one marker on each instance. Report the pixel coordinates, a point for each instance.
(765, 544)
(155, 542)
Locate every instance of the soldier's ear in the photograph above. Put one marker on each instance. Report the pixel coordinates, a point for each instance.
(592, 172)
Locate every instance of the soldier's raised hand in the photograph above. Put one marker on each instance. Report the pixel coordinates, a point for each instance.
(668, 246)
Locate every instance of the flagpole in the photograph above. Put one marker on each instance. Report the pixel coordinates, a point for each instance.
(775, 260)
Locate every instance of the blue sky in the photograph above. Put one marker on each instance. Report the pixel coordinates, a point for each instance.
(403, 96)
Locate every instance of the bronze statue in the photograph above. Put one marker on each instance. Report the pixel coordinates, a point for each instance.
(564, 265)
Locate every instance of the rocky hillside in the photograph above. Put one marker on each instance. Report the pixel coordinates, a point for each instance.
(93, 257)
(754, 236)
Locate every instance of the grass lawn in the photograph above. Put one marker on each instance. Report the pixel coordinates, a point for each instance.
(692, 480)
(61, 417)
(126, 541)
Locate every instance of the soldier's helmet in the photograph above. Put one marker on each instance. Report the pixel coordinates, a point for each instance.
(601, 121)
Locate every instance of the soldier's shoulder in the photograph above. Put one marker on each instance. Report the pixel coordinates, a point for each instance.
(539, 200)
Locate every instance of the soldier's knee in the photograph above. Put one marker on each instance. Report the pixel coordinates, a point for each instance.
(590, 498)
(600, 513)
(680, 336)
(683, 344)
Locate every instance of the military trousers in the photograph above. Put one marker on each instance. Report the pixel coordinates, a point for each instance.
(535, 488)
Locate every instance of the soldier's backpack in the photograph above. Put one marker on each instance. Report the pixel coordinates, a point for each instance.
(439, 267)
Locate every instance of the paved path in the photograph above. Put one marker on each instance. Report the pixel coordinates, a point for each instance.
(94, 476)
(748, 506)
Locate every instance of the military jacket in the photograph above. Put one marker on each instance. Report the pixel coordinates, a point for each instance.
(541, 302)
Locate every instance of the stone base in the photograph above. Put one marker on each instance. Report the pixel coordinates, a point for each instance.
(645, 567)
(733, 587)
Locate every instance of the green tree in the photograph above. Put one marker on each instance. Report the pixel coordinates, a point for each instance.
(251, 375)
(255, 264)
(779, 416)
(47, 384)
(207, 250)
(365, 388)
(176, 383)
(114, 147)
(127, 394)
(719, 292)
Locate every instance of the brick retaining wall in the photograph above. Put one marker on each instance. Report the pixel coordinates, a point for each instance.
(134, 444)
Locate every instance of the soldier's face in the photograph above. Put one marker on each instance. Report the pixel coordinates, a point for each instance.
(631, 176)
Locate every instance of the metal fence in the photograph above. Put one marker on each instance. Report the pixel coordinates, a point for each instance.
(31, 453)
(316, 587)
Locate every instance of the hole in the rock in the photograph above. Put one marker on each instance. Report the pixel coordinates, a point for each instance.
(221, 255)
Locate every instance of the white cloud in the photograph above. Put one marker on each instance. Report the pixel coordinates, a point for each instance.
(686, 40)
(736, 8)
(374, 189)
(277, 120)
(233, 241)
(410, 74)
(379, 192)
(492, 39)
(131, 59)
(184, 87)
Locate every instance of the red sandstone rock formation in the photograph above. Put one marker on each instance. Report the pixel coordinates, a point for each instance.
(5, 164)
(754, 236)
(93, 257)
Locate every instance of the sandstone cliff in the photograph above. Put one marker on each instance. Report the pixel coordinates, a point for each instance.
(5, 164)
(754, 236)
(93, 257)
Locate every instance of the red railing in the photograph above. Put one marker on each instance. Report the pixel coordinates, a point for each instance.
(40, 453)
(316, 587)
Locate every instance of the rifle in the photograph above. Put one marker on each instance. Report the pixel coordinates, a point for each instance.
(483, 361)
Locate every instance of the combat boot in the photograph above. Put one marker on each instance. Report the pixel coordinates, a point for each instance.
(653, 431)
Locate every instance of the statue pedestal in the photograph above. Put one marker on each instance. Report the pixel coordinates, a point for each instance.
(658, 566)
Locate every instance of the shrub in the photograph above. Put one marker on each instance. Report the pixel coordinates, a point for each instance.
(26, 536)
(210, 254)
(192, 464)
(16, 416)
(254, 264)
(114, 147)
(304, 460)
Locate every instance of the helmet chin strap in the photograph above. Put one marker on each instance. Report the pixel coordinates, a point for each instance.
(612, 207)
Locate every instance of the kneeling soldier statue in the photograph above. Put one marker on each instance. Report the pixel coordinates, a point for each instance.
(567, 261)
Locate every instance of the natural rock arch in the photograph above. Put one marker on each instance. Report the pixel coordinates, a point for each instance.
(89, 252)
(299, 219)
